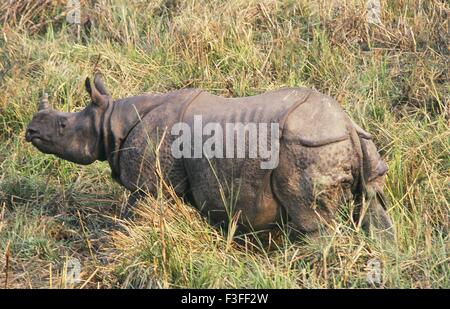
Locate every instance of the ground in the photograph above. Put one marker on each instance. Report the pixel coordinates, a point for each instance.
(392, 78)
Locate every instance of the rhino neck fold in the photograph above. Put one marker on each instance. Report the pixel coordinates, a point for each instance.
(103, 142)
(120, 118)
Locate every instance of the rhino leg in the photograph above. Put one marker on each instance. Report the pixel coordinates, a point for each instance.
(310, 182)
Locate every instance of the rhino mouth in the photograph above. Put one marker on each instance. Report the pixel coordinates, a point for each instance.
(36, 139)
(44, 145)
(37, 142)
(33, 138)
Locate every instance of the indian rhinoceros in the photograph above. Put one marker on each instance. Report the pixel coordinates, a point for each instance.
(323, 157)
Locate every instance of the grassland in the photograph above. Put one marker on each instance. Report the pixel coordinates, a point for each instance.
(392, 78)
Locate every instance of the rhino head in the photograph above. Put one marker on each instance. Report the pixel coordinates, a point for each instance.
(76, 137)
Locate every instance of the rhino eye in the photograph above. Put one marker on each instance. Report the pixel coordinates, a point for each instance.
(62, 123)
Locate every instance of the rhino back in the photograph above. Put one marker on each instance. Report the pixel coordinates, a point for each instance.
(320, 121)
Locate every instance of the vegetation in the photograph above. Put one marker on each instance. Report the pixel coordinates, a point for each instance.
(392, 78)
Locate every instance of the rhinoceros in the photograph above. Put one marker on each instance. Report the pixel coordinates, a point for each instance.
(322, 157)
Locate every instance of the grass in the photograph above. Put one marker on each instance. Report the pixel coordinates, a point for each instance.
(393, 79)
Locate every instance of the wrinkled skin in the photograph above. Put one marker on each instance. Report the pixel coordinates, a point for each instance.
(71, 136)
(324, 157)
(64, 134)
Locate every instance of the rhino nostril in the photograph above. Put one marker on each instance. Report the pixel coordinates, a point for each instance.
(32, 131)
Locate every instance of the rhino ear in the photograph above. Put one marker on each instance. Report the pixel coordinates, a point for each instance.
(96, 97)
(98, 83)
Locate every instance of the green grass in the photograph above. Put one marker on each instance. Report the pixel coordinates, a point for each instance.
(393, 79)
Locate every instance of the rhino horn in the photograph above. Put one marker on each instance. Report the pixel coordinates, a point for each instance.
(43, 102)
